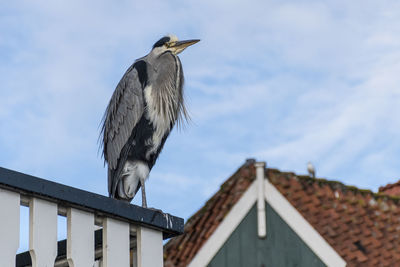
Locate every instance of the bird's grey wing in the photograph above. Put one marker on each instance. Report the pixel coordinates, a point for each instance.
(122, 114)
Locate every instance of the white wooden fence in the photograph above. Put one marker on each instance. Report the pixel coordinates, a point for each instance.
(131, 235)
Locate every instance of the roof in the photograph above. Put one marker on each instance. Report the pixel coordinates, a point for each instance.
(362, 226)
(391, 189)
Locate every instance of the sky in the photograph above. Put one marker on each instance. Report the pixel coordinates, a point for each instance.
(284, 82)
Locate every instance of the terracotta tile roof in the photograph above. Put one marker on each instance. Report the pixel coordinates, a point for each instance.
(362, 226)
(391, 189)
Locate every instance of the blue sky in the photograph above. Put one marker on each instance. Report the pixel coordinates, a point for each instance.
(284, 82)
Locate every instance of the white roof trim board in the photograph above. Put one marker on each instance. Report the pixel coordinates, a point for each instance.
(225, 228)
(302, 227)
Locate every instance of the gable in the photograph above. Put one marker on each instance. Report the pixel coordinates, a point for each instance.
(282, 247)
(259, 191)
(341, 224)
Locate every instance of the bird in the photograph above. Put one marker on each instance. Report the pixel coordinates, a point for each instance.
(146, 104)
(311, 169)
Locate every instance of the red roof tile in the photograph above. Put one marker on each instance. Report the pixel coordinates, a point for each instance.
(362, 226)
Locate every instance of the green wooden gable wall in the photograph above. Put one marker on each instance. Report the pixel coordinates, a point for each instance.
(282, 247)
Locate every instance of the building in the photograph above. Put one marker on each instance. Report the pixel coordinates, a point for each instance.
(265, 217)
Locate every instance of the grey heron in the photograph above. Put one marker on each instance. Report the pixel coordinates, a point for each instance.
(311, 169)
(143, 109)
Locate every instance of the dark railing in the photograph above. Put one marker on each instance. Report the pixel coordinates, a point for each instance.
(27, 189)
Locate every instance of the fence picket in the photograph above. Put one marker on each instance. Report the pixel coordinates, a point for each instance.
(149, 247)
(9, 227)
(42, 232)
(80, 238)
(115, 243)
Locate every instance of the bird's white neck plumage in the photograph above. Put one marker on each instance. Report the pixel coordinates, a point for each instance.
(164, 103)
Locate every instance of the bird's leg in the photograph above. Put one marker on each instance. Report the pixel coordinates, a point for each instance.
(144, 202)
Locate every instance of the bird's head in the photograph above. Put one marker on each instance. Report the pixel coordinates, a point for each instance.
(172, 44)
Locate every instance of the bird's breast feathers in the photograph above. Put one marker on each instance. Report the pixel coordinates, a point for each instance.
(161, 121)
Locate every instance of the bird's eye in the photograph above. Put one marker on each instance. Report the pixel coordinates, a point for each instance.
(167, 45)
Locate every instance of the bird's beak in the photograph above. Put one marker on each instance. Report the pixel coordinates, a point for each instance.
(181, 45)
